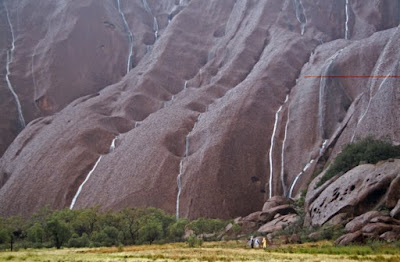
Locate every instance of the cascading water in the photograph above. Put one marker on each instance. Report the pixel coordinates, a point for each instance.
(130, 37)
(346, 26)
(10, 54)
(112, 148)
(298, 177)
(155, 28)
(84, 182)
(185, 86)
(178, 179)
(272, 145)
(300, 15)
(155, 22)
(308, 165)
(283, 153)
(371, 97)
(167, 103)
(322, 85)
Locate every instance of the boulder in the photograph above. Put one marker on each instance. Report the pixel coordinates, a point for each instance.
(278, 224)
(390, 236)
(386, 220)
(253, 217)
(274, 202)
(339, 219)
(295, 239)
(359, 222)
(269, 215)
(314, 236)
(358, 191)
(376, 228)
(393, 193)
(395, 213)
(188, 233)
(351, 238)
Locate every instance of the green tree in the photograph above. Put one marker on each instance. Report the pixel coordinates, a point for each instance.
(11, 230)
(177, 229)
(58, 230)
(151, 230)
(36, 233)
(130, 224)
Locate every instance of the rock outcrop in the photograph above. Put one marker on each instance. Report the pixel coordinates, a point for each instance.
(223, 106)
(354, 193)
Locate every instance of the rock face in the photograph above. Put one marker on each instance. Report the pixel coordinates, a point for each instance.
(217, 114)
(371, 225)
(358, 191)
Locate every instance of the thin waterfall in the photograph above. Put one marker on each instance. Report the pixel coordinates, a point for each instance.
(179, 187)
(130, 37)
(84, 182)
(179, 178)
(346, 26)
(111, 149)
(323, 82)
(155, 28)
(300, 15)
(283, 153)
(371, 97)
(298, 177)
(167, 103)
(155, 22)
(185, 85)
(272, 145)
(308, 165)
(10, 56)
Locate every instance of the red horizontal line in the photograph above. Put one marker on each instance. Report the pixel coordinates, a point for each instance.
(351, 77)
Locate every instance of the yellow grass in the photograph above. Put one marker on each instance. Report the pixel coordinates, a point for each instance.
(218, 251)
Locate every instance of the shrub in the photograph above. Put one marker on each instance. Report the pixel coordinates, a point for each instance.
(207, 226)
(77, 241)
(177, 229)
(193, 241)
(367, 149)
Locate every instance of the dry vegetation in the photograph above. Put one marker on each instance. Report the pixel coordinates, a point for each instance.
(216, 251)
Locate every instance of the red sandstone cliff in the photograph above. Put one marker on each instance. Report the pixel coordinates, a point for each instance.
(216, 98)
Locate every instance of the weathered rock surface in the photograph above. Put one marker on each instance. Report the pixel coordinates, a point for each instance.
(201, 100)
(351, 238)
(267, 216)
(278, 224)
(393, 193)
(359, 222)
(274, 202)
(371, 225)
(356, 192)
(395, 213)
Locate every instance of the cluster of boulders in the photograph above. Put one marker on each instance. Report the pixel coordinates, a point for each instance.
(366, 200)
(277, 213)
(372, 225)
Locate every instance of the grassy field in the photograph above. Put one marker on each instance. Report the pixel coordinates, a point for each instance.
(217, 251)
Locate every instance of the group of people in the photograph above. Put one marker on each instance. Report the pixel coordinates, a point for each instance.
(255, 242)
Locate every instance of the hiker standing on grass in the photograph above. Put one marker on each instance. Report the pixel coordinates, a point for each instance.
(251, 242)
(257, 243)
(264, 242)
